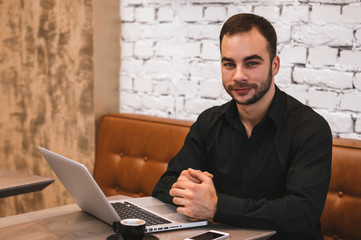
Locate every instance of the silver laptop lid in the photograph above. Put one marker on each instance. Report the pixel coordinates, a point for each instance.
(81, 185)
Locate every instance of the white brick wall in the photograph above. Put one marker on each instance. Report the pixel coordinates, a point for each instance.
(271, 12)
(190, 13)
(351, 101)
(358, 37)
(357, 82)
(293, 54)
(351, 14)
(294, 14)
(351, 59)
(319, 35)
(323, 78)
(170, 56)
(214, 14)
(325, 14)
(144, 15)
(358, 124)
(322, 99)
(165, 14)
(322, 56)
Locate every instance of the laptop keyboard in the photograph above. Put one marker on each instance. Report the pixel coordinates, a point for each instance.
(129, 210)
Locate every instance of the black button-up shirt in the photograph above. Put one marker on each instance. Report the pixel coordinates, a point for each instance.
(276, 179)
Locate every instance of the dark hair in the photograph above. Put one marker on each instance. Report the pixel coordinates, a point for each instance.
(244, 22)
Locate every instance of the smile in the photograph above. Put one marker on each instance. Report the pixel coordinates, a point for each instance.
(242, 91)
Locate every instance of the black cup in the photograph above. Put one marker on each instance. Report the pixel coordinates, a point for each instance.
(132, 229)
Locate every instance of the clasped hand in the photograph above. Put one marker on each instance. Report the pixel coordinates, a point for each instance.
(195, 194)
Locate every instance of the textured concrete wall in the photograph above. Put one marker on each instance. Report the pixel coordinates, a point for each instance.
(46, 91)
(171, 66)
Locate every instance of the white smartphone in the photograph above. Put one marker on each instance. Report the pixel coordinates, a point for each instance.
(210, 235)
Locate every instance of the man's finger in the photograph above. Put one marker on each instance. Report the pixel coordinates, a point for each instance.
(179, 188)
(210, 175)
(199, 175)
(184, 211)
(188, 177)
(182, 184)
(178, 201)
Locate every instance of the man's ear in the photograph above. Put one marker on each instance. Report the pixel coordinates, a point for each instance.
(275, 65)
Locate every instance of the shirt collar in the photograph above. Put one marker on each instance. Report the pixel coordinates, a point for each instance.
(231, 113)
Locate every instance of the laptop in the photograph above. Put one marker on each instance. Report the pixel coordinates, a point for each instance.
(89, 197)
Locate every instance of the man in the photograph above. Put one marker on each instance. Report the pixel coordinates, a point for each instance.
(262, 160)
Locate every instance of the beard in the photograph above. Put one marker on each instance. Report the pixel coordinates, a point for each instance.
(261, 90)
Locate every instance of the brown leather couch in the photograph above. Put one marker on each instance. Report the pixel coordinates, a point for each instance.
(341, 218)
(132, 151)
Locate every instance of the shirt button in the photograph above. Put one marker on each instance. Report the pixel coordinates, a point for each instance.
(334, 236)
(121, 155)
(145, 159)
(340, 194)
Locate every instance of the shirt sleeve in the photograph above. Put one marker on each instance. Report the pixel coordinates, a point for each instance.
(307, 181)
(191, 155)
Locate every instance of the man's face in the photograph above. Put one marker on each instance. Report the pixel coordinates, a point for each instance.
(247, 72)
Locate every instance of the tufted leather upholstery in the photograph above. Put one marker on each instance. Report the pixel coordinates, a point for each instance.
(132, 152)
(341, 218)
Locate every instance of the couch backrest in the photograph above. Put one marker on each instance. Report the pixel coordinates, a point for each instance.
(341, 218)
(132, 152)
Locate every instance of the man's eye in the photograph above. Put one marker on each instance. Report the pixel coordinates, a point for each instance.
(252, 64)
(229, 65)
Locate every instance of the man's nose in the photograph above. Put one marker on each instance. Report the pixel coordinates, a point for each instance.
(240, 75)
